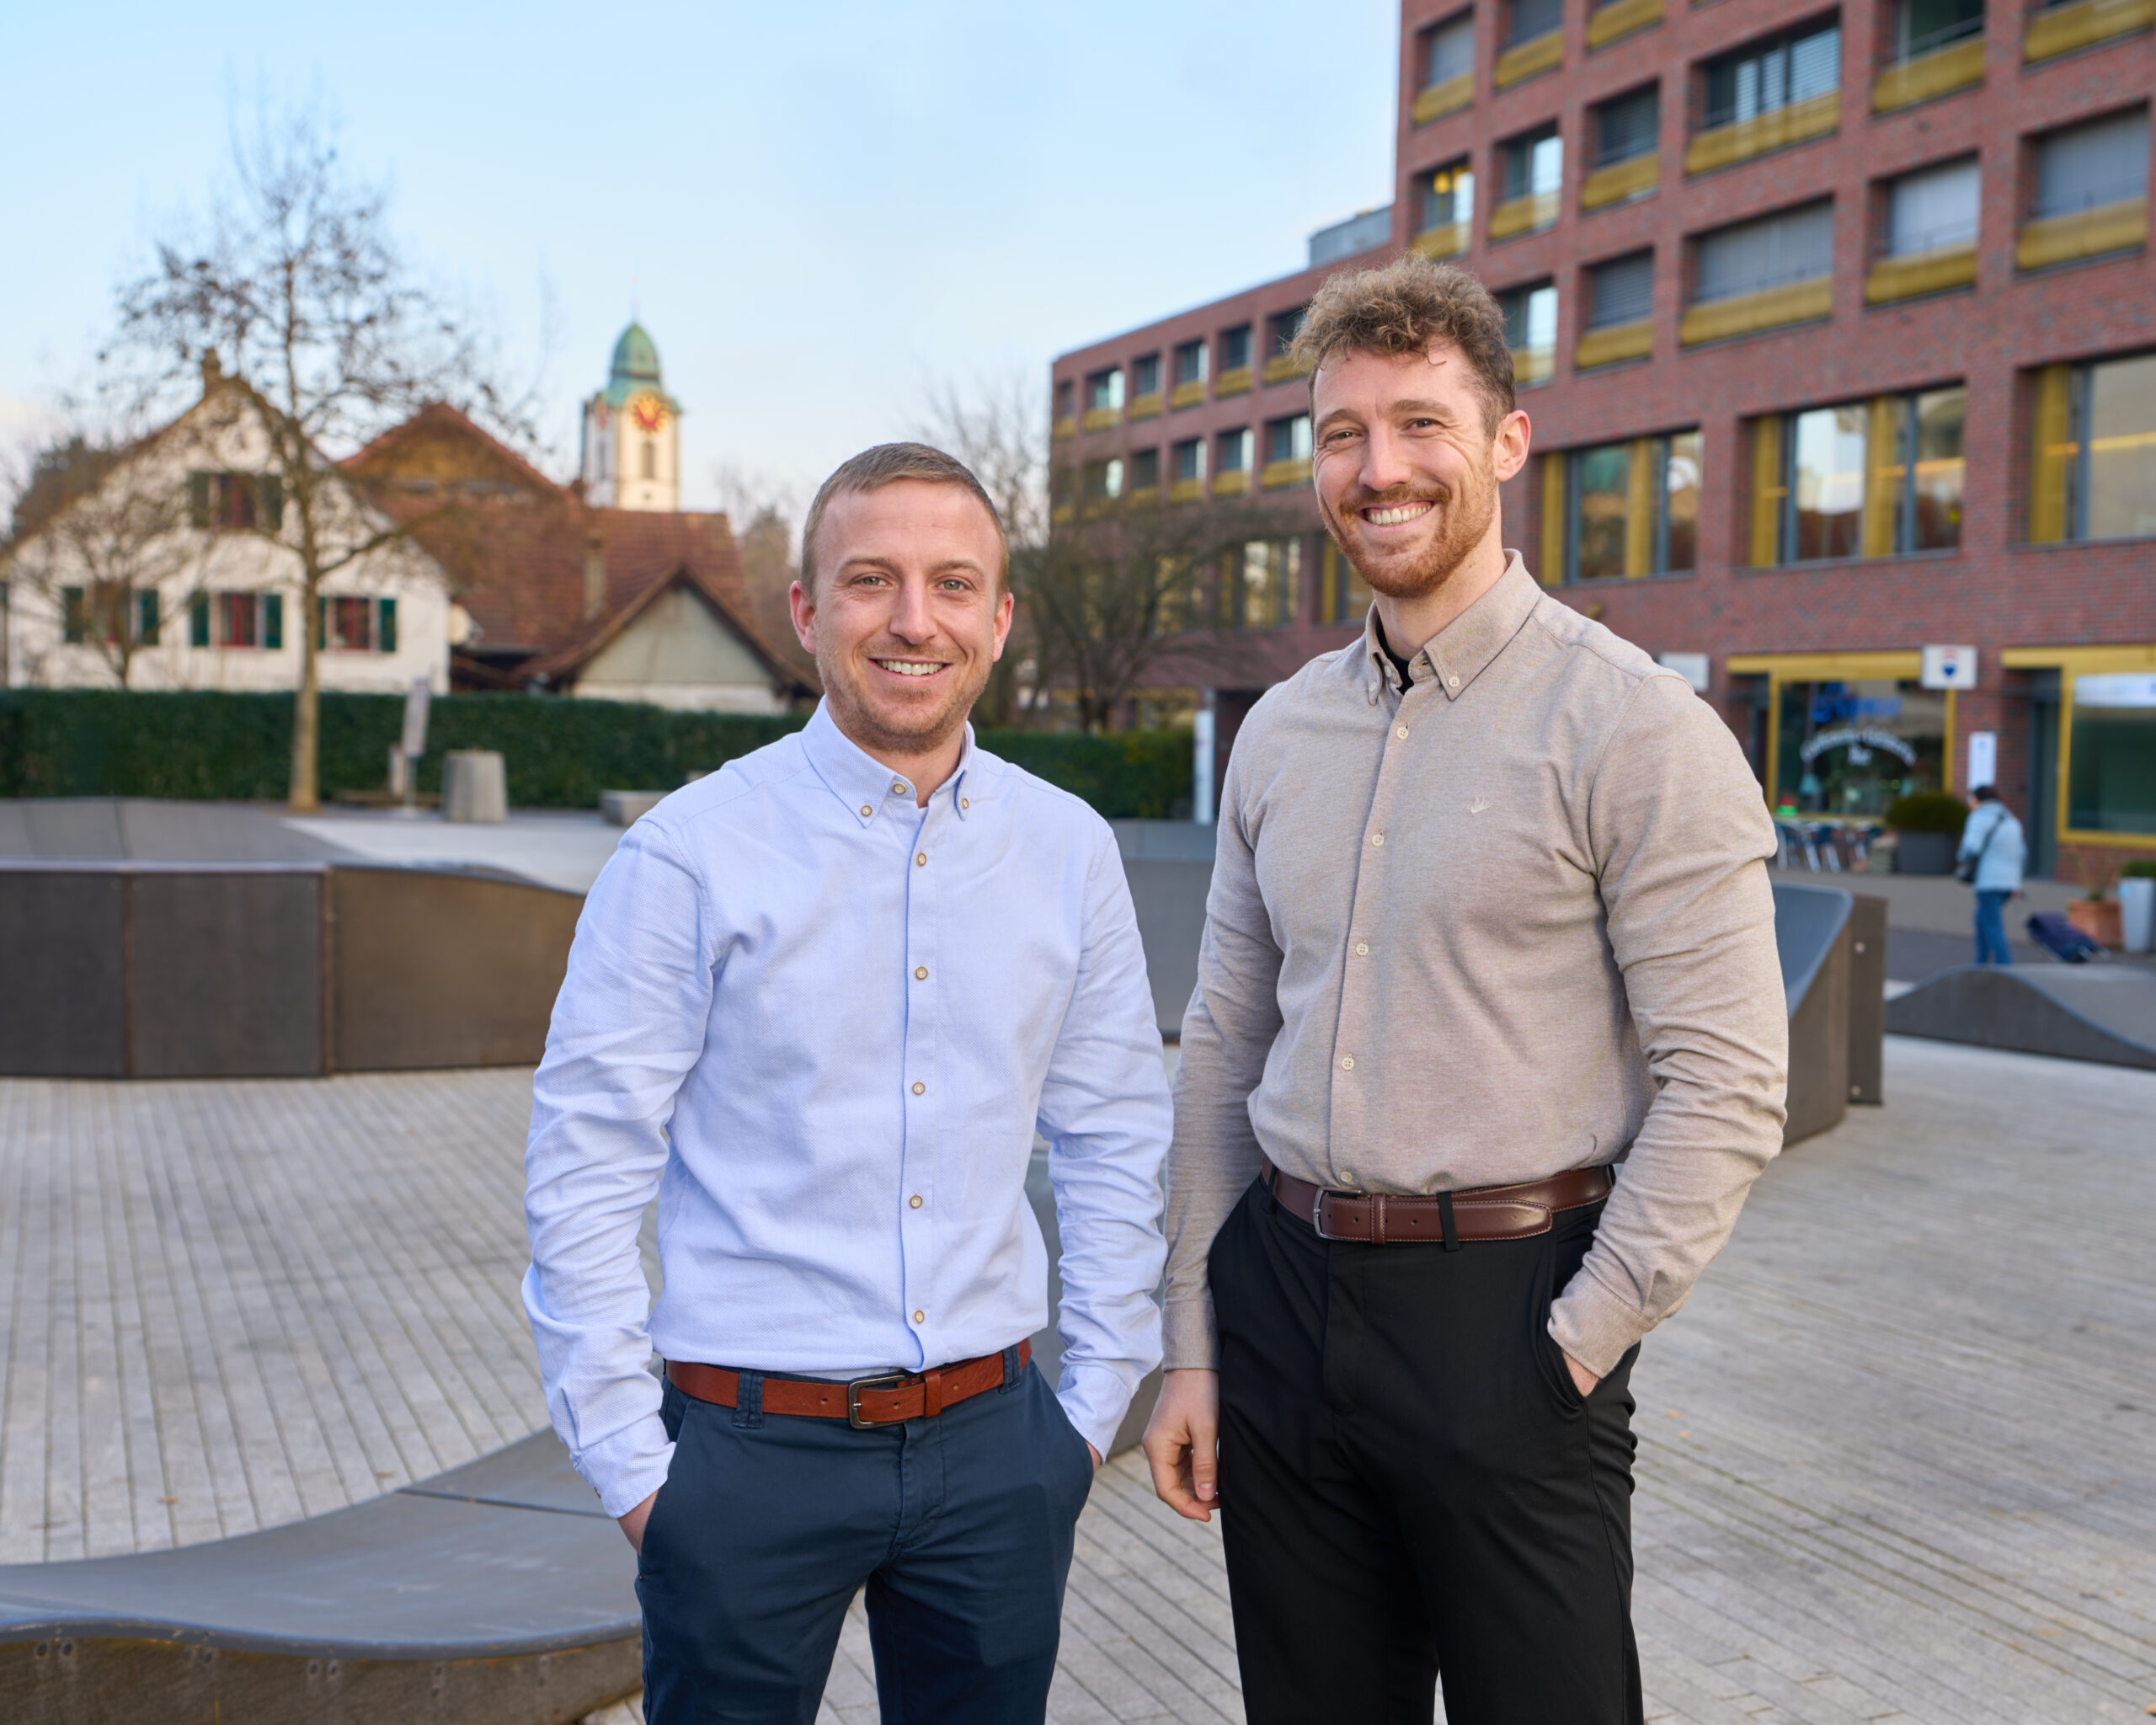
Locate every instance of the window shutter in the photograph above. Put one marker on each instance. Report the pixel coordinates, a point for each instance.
(322, 625)
(147, 619)
(271, 491)
(73, 624)
(1623, 291)
(198, 500)
(273, 622)
(198, 620)
(385, 633)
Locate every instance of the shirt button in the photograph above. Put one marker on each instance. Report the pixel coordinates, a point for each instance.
(920, 1090)
(963, 804)
(1452, 682)
(914, 1203)
(1401, 732)
(866, 809)
(921, 973)
(921, 859)
(1362, 949)
(1347, 1176)
(1377, 838)
(896, 788)
(1347, 1063)
(920, 1317)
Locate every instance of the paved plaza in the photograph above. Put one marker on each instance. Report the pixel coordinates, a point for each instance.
(1896, 1458)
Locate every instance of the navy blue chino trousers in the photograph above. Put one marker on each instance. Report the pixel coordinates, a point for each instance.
(960, 1527)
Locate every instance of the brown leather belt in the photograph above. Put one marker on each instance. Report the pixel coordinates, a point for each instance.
(863, 1403)
(1480, 1213)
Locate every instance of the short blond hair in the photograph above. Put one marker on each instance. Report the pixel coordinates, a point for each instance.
(887, 464)
(1401, 308)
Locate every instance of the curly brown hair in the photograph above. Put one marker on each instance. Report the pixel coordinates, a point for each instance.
(1401, 308)
(886, 464)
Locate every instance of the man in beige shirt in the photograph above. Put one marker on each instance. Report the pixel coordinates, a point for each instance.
(1487, 1045)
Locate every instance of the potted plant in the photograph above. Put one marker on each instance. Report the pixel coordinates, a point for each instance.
(1928, 830)
(2095, 913)
(2137, 904)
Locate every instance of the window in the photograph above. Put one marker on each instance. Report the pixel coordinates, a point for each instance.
(1145, 374)
(1777, 73)
(1280, 330)
(1751, 257)
(1190, 362)
(1447, 197)
(1231, 452)
(1101, 480)
(2085, 167)
(1873, 478)
(1104, 390)
(1144, 470)
(1533, 163)
(1344, 596)
(1261, 583)
(1620, 292)
(1448, 50)
(1934, 209)
(649, 460)
(1627, 126)
(1531, 330)
(237, 620)
(2094, 432)
(1235, 348)
(1531, 19)
(2112, 753)
(1923, 27)
(1288, 440)
(230, 503)
(1632, 509)
(1065, 390)
(1188, 461)
(1851, 747)
(350, 625)
(109, 613)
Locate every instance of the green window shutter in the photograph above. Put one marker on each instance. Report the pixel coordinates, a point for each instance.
(198, 621)
(198, 499)
(272, 495)
(146, 618)
(73, 620)
(322, 624)
(273, 622)
(386, 634)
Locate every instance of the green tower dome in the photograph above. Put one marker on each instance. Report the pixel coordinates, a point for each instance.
(636, 369)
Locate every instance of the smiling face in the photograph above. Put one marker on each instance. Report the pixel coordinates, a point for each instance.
(1406, 466)
(906, 617)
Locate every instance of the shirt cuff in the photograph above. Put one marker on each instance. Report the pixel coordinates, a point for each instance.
(1188, 1336)
(629, 1466)
(1595, 1326)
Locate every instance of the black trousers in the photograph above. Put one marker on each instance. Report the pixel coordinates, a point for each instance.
(1410, 1483)
(960, 1528)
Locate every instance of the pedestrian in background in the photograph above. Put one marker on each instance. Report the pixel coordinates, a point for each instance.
(1991, 858)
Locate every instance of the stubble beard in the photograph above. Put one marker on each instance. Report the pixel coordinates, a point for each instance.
(871, 731)
(1464, 516)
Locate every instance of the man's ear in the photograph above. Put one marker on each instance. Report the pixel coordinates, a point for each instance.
(1003, 614)
(1508, 448)
(801, 603)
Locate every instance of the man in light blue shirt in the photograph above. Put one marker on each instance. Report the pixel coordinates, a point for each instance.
(818, 1004)
(1992, 855)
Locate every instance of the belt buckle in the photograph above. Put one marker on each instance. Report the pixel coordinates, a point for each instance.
(1317, 1215)
(894, 1380)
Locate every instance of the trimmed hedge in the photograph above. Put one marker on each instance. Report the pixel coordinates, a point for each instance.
(560, 753)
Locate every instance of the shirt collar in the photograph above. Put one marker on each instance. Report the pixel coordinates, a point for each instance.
(870, 790)
(1464, 646)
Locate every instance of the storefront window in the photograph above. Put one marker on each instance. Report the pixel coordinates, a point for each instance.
(1850, 748)
(2111, 778)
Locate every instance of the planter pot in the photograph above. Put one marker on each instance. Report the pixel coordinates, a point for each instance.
(2097, 918)
(1925, 852)
(2137, 913)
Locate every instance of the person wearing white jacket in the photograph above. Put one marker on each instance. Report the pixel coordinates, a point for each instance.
(1992, 855)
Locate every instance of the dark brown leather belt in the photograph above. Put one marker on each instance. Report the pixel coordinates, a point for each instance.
(1480, 1213)
(862, 1403)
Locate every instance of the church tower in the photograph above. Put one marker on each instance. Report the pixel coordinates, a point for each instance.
(631, 433)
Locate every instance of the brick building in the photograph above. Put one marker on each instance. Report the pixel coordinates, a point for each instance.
(1837, 328)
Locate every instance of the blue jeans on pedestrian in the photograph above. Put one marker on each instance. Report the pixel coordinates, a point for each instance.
(1991, 926)
(960, 1528)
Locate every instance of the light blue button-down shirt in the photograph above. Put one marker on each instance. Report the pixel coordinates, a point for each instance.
(823, 1024)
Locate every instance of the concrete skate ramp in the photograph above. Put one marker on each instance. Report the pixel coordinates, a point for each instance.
(2103, 1012)
(497, 1593)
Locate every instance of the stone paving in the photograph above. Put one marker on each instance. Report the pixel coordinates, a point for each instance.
(1895, 1461)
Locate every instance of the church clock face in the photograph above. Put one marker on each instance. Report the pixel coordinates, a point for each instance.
(647, 413)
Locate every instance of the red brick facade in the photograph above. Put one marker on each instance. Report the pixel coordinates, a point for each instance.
(1996, 591)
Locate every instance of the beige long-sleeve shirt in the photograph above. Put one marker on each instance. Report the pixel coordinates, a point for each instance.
(1513, 920)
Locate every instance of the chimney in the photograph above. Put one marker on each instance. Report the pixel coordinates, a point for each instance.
(594, 575)
(213, 374)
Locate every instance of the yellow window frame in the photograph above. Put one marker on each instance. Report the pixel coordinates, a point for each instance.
(2070, 663)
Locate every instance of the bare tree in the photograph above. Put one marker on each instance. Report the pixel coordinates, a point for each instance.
(103, 543)
(295, 307)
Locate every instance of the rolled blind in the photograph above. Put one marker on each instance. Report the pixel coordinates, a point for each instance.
(1933, 209)
(1452, 50)
(1623, 291)
(1753, 256)
(2105, 162)
(1534, 17)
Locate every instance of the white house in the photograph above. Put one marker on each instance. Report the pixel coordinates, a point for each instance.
(174, 572)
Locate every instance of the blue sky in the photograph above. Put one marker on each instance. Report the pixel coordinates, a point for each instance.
(821, 213)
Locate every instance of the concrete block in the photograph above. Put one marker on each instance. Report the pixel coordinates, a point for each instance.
(474, 786)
